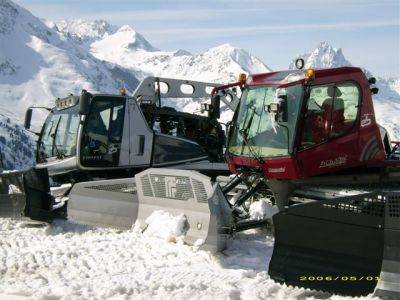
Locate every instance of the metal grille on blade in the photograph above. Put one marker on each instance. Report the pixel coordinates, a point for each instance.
(147, 191)
(171, 187)
(200, 191)
(127, 188)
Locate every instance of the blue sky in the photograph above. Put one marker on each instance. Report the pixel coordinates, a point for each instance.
(368, 31)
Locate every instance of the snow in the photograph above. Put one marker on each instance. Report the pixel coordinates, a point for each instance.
(323, 56)
(69, 261)
(262, 209)
(83, 32)
(16, 147)
(13, 189)
(220, 64)
(163, 225)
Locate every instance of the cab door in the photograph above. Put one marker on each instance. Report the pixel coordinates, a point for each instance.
(329, 138)
(102, 137)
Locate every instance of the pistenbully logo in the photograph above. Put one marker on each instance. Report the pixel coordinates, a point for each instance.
(330, 163)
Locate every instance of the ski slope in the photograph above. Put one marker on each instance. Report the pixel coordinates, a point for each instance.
(69, 261)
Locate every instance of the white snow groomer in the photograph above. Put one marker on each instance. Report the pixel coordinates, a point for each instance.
(101, 136)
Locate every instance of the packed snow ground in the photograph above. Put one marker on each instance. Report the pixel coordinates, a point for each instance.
(69, 261)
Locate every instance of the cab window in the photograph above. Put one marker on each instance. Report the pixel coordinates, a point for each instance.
(331, 112)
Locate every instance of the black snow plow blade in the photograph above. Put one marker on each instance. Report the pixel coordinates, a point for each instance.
(348, 246)
(12, 197)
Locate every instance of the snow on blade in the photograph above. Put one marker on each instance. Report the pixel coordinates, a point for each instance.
(13, 189)
(163, 225)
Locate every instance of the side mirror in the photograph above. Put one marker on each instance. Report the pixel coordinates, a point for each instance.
(372, 80)
(84, 102)
(28, 118)
(272, 108)
(279, 109)
(283, 109)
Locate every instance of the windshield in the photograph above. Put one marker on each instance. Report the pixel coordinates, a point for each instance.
(58, 136)
(257, 133)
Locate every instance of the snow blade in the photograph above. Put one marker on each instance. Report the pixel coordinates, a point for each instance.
(120, 203)
(388, 286)
(107, 203)
(12, 198)
(335, 245)
(189, 193)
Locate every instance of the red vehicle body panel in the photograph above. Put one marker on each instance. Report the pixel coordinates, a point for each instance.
(360, 146)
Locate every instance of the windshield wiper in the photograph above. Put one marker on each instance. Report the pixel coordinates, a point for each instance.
(244, 132)
(54, 135)
(251, 150)
(246, 127)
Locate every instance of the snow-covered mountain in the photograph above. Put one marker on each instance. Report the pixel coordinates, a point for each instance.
(386, 102)
(324, 56)
(43, 60)
(38, 64)
(128, 48)
(16, 150)
(84, 32)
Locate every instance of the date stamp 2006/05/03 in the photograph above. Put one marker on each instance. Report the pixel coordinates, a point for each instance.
(339, 278)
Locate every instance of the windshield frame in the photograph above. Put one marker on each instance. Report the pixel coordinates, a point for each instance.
(61, 141)
(256, 147)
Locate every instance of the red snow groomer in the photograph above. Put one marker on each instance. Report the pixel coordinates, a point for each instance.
(309, 140)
